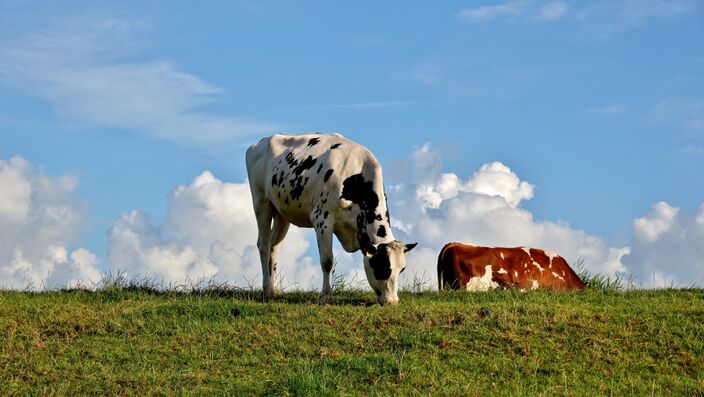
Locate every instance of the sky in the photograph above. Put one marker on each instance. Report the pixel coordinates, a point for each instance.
(571, 126)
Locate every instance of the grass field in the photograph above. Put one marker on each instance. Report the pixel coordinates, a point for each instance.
(139, 341)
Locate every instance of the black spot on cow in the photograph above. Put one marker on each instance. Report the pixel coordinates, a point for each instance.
(296, 191)
(361, 192)
(290, 160)
(362, 236)
(307, 164)
(325, 215)
(327, 175)
(381, 232)
(320, 167)
(297, 181)
(380, 263)
(274, 182)
(313, 141)
(335, 146)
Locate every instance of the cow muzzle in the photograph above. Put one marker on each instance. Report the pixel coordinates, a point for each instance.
(387, 300)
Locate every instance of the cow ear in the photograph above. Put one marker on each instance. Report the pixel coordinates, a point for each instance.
(409, 247)
(369, 250)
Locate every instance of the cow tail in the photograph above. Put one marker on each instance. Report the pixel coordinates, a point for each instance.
(441, 268)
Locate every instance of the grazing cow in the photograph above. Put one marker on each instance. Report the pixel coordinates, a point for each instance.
(331, 184)
(475, 268)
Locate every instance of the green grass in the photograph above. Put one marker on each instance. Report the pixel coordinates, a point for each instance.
(127, 339)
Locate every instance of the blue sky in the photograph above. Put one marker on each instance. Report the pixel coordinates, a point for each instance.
(599, 105)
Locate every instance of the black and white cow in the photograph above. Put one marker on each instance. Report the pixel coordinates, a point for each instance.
(333, 185)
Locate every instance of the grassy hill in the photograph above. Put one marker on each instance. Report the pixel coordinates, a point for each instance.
(123, 340)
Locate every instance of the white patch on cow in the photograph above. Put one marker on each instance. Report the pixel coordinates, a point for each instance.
(558, 276)
(502, 271)
(527, 250)
(535, 285)
(525, 265)
(482, 283)
(515, 274)
(536, 264)
(502, 255)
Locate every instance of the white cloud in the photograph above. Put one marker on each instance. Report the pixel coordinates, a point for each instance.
(484, 13)
(668, 247)
(649, 228)
(85, 67)
(553, 11)
(538, 11)
(483, 209)
(39, 220)
(209, 232)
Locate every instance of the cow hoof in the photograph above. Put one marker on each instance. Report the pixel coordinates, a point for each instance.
(327, 300)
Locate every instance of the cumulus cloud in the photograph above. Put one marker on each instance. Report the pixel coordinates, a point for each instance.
(85, 67)
(668, 247)
(209, 232)
(39, 220)
(650, 227)
(483, 209)
(535, 10)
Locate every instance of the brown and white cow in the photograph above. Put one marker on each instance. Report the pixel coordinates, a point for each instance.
(331, 184)
(474, 268)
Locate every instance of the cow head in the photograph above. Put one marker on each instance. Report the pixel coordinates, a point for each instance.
(383, 264)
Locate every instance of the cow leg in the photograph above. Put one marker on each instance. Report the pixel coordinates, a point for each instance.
(277, 236)
(264, 215)
(324, 237)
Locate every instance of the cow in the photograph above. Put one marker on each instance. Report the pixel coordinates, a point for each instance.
(474, 268)
(333, 185)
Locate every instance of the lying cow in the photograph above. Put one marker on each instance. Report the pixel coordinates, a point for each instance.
(475, 268)
(333, 185)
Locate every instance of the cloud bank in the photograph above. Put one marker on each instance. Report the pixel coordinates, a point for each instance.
(483, 209)
(85, 66)
(668, 247)
(209, 232)
(39, 219)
